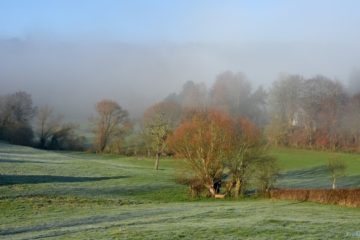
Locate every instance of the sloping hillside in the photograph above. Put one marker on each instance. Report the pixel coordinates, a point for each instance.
(53, 195)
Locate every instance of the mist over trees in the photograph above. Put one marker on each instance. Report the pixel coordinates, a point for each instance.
(24, 124)
(53, 133)
(295, 111)
(231, 93)
(313, 113)
(354, 82)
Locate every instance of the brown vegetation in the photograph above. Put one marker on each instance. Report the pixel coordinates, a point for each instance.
(313, 113)
(109, 124)
(344, 197)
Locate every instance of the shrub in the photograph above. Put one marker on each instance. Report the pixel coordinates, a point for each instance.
(19, 135)
(344, 197)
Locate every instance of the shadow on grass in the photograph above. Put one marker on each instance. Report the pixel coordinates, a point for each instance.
(33, 179)
(315, 177)
(59, 228)
(19, 161)
(318, 171)
(148, 191)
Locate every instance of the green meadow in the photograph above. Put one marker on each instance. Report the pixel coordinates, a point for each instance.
(71, 195)
(308, 169)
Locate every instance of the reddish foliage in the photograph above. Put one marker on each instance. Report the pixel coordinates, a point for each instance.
(202, 141)
(209, 139)
(206, 130)
(344, 197)
(249, 131)
(322, 140)
(298, 137)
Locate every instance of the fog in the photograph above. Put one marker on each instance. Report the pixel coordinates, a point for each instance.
(73, 75)
(71, 54)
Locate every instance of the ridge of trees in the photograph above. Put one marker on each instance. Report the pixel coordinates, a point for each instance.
(316, 113)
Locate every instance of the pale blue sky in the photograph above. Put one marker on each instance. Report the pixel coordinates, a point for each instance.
(184, 20)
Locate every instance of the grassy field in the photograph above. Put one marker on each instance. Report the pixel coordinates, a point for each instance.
(57, 195)
(308, 169)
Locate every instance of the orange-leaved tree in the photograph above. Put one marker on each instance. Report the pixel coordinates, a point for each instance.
(215, 145)
(203, 140)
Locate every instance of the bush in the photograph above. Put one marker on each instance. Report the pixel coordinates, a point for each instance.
(344, 197)
(19, 135)
(196, 187)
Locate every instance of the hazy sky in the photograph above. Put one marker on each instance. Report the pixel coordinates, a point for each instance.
(136, 52)
(185, 20)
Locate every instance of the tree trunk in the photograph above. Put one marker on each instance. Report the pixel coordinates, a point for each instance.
(102, 148)
(211, 189)
(42, 142)
(157, 161)
(229, 187)
(237, 188)
(102, 145)
(334, 183)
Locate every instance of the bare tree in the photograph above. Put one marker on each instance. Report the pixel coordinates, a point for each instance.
(46, 125)
(337, 169)
(66, 138)
(323, 102)
(17, 108)
(158, 130)
(159, 120)
(285, 99)
(53, 133)
(16, 112)
(109, 123)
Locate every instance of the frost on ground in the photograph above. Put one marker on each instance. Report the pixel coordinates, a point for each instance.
(53, 195)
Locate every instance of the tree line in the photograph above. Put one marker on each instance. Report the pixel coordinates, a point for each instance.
(317, 113)
(23, 123)
(314, 113)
